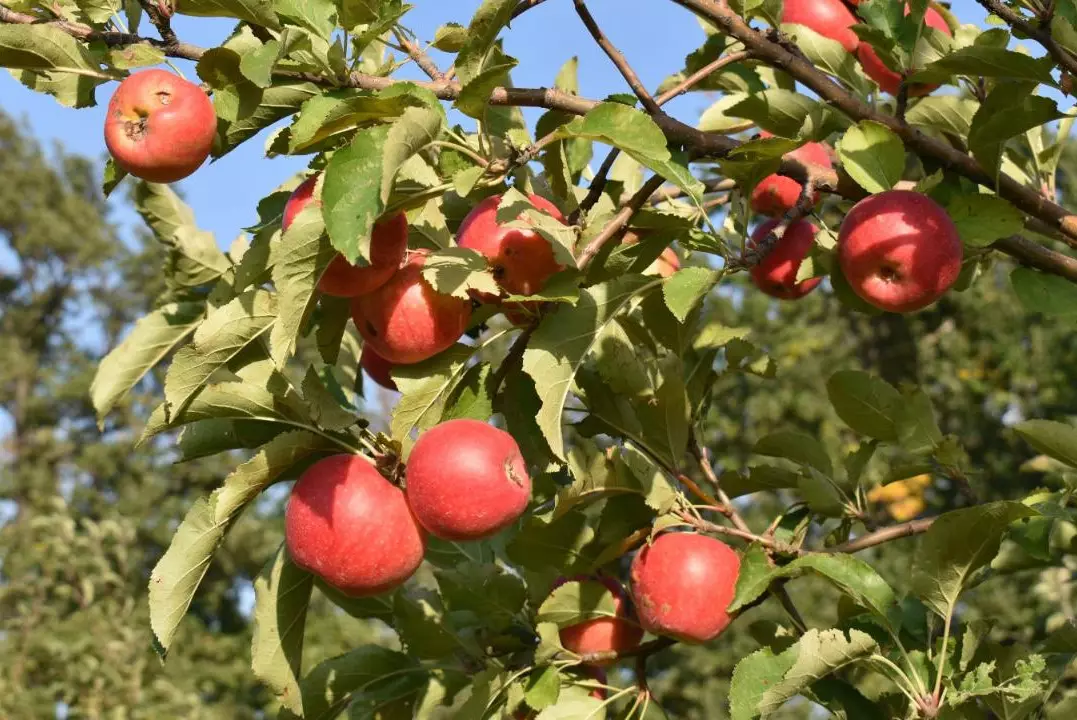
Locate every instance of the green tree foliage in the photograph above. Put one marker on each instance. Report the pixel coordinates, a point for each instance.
(816, 436)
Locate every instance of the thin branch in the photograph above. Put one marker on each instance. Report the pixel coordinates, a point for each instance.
(598, 184)
(755, 254)
(425, 63)
(1042, 35)
(513, 357)
(160, 14)
(702, 74)
(702, 456)
(524, 6)
(644, 650)
(1035, 255)
(746, 535)
(618, 58)
(616, 226)
(885, 535)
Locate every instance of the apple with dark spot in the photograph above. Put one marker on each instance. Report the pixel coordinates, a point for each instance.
(159, 127)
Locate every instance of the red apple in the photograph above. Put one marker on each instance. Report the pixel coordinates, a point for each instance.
(776, 275)
(665, 265)
(682, 584)
(466, 480)
(899, 250)
(378, 368)
(352, 527)
(405, 320)
(388, 243)
(829, 18)
(888, 80)
(521, 260)
(159, 127)
(605, 634)
(776, 194)
(599, 675)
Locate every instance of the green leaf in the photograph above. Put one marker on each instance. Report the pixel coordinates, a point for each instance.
(958, 543)
(471, 396)
(232, 401)
(318, 16)
(221, 336)
(775, 110)
(329, 406)
(758, 478)
(359, 178)
(980, 61)
(301, 257)
(685, 288)
(257, 65)
(553, 545)
(209, 437)
(574, 602)
(340, 111)
(281, 595)
(129, 57)
(278, 101)
(256, 12)
(235, 97)
(763, 681)
(574, 703)
(1008, 111)
(1058, 440)
(828, 55)
(151, 339)
(456, 271)
(865, 403)
(485, 590)
(982, 219)
(543, 687)
(1043, 293)
(475, 94)
(47, 48)
(194, 258)
(421, 623)
(918, 432)
(562, 341)
(483, 30)
(450, 37)
(853, 577)
(872, 155)
(946, 113)
(329, 687)
(798, 447)
(425, 388)
(180, 570)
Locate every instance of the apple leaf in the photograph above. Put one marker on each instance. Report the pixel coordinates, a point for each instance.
(456, 271)
(340, 111)
(781, 112)
(450, 37)
(153, 337)
(562, 341)
(867, 404)
(194, 258)
(946, 113)
(982, 219)
(1058, 440)
(958, 543)
(1008, 111)
(685, 288)
(576, 601)
(219, 338)
(483, 30)
(1044, 293)
(278, 101)
(281, 596)
(425, 388)
(180, 570)
(301, 258)
(543, 687)
(209, 437)
(256, 12)
(359, 178)
(872, 155)
(981, 61)
(798, 447)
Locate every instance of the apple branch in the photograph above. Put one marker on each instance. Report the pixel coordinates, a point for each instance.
(754, 255)
(1041, 34)
(618, 58)
(884, 535)
(160, 14)
(425, 63)
(1028, 200)
(615, 227)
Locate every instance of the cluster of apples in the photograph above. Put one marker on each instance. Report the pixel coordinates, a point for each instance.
(899, 250)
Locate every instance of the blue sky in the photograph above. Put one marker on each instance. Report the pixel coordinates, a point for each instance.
(654, 35)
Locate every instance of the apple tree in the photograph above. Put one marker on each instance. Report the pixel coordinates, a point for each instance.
(549, 508)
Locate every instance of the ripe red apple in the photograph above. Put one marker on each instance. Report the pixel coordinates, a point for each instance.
(352, 527)
(521, 260)
(888, 80)
(776, 194)
(466, 480)
(159, 127)
(605, 634)
(899, 250)
(682, 584)
(829, 18)
(776, 275)
(378, 368)
(664, 265)
(388, 243)
(405, 320)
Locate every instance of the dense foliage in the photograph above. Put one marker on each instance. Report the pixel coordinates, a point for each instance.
(815, 434)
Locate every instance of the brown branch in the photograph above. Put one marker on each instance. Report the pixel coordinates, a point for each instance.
(745, 535)
(1042, 35)
(885, 535)
(425, 63)
(702, 74)
(616, 226)
(1024, 198)
(644, 650)
(160, 14)
(755, 254)
(513, 357)
(598, 184)
(618, 58)
(1035, 255)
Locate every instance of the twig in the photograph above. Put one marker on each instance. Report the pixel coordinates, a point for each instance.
(702, 456)
(746, 535)
(902, 101)
(513, 357)
(644, 650)
(699, 75)
(524, 6)
(755, 254)
(425, 63)
(885, 535)
(615, 227)
(160, 14)
(1042, 35)
(618, 58)
(598, 184)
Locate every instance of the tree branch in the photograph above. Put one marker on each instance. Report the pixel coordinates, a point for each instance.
(702, 74)
(160, 14)
(618, 58)
(884, 535)
(425, 63)
(615, 227)
(1042, 35)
